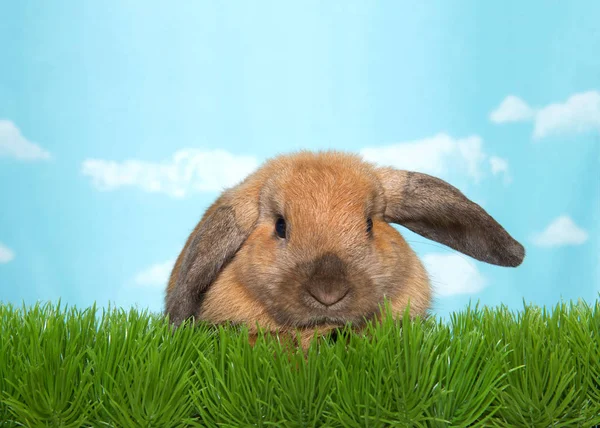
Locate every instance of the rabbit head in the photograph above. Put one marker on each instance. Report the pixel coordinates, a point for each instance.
(306, 242)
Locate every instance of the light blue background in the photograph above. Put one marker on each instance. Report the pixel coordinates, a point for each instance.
(142, 80)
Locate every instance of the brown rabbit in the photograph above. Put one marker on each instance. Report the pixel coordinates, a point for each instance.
(304, 243)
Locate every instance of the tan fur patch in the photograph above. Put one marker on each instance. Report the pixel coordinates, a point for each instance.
(326, 200)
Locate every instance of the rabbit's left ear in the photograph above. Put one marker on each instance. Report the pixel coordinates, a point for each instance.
(210, 247)
(220, 233)
(439, 211)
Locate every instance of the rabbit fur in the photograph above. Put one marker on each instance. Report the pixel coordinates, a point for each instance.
(338, 256)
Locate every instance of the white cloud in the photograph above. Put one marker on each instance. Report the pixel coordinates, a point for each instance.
(500, 166)
(453, 274)
(438, 155)
(187, 171)
(155, 276)
(151, 299)
(147, 289)
(14, 144)
(6, 254)
(562, 231)
(580, 113)
(512, 109)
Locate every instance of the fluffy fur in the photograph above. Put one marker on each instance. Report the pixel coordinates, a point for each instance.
(234, 267)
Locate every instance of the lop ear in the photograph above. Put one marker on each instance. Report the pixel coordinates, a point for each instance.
(439, 211)
(213, 243)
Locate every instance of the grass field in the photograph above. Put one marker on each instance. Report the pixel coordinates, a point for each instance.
(70, 367)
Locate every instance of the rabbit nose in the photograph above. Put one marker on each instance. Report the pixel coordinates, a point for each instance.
(328, 294)
(327, 279)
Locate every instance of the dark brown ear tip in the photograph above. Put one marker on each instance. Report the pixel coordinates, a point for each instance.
(516, 255)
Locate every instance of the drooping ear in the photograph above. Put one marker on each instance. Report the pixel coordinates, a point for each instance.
(439, 211)
(213, 243)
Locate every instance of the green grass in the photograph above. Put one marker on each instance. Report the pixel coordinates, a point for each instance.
(66, 367)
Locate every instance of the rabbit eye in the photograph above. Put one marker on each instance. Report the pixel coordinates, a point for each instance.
(369, 225)
(280, 228)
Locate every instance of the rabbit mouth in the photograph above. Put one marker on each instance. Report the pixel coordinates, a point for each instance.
(337, 321)
(326, 320)
(326, 304)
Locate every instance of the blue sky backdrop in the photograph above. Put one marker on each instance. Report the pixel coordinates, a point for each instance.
(120, 122)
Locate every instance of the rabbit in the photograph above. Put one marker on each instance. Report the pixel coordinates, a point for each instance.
(304, 244)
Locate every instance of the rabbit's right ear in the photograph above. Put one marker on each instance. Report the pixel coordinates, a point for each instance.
(215, 240)
(437, 210)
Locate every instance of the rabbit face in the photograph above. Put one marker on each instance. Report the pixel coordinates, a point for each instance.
(321, 252)
(305, 241)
